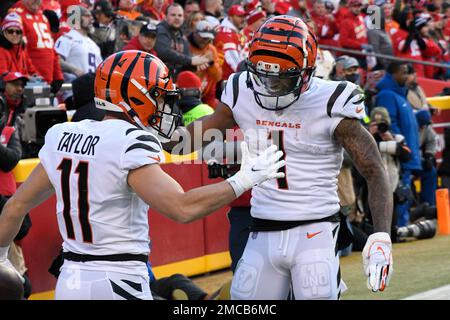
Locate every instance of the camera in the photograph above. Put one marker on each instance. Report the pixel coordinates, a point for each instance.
(424, 229)
(389, 147)
(382, 127)
(218, 170)
(38, 117)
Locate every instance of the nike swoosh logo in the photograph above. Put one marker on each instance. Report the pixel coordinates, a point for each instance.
(311, 235)
(358, 110)
(157, 158)
(253, 169)
(381, 250)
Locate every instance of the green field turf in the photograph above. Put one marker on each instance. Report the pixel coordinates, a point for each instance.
(418, 266)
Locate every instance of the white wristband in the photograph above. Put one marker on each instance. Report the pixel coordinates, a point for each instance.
(239, 183)
(4, 253)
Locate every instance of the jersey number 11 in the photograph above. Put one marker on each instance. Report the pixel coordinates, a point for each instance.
(83, 205)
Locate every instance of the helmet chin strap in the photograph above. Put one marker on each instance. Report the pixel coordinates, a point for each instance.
(132, 115)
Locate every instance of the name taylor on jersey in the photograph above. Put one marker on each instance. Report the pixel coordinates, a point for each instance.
(78, 143)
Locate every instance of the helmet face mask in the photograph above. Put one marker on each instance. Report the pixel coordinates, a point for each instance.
(277, 90)
(167, 116)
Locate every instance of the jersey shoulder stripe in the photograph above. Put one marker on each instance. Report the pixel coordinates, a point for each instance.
(235, 83)
(335, 95)
(357, 91)
(131, 130)
(147, 137)
(141, 146)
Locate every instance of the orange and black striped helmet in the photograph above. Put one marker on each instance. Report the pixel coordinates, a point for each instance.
(282, 58)
(139, 85)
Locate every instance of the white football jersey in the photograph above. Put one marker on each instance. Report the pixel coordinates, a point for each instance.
(304, 131)
(88, 163)
(78, 50)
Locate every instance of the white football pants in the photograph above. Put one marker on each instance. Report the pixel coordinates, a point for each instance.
(79, 284)
(303, 259)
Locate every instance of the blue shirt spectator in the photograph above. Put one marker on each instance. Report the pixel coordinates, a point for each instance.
(392, 96)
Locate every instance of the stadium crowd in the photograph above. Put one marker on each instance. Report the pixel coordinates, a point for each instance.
(63, 41)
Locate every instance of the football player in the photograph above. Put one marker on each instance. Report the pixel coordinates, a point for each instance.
(295, 219)
(106, 173)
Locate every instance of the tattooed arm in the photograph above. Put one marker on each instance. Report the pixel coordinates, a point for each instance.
(364, 151)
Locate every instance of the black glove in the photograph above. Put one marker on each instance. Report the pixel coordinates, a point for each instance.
(56, 85)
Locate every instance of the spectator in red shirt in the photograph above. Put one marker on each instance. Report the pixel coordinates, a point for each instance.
(144, 41)
(342, 13)
(325, 24)
(409, 42)
(433, 51)
(353, 31)
(13, 54)
(254, 20)
(40, 42)
(52, 5)
(228, 40)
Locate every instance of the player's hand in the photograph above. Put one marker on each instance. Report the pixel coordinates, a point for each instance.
(377, 261)
(256, 170)
(5, 263)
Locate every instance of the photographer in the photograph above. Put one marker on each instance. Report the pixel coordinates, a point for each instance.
(392, 147)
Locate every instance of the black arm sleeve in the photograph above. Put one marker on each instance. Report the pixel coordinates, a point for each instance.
(11, 154)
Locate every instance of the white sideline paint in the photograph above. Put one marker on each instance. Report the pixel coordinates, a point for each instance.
(442, 293)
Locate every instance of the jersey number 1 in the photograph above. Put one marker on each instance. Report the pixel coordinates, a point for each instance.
(83, 205)
(277, 137)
